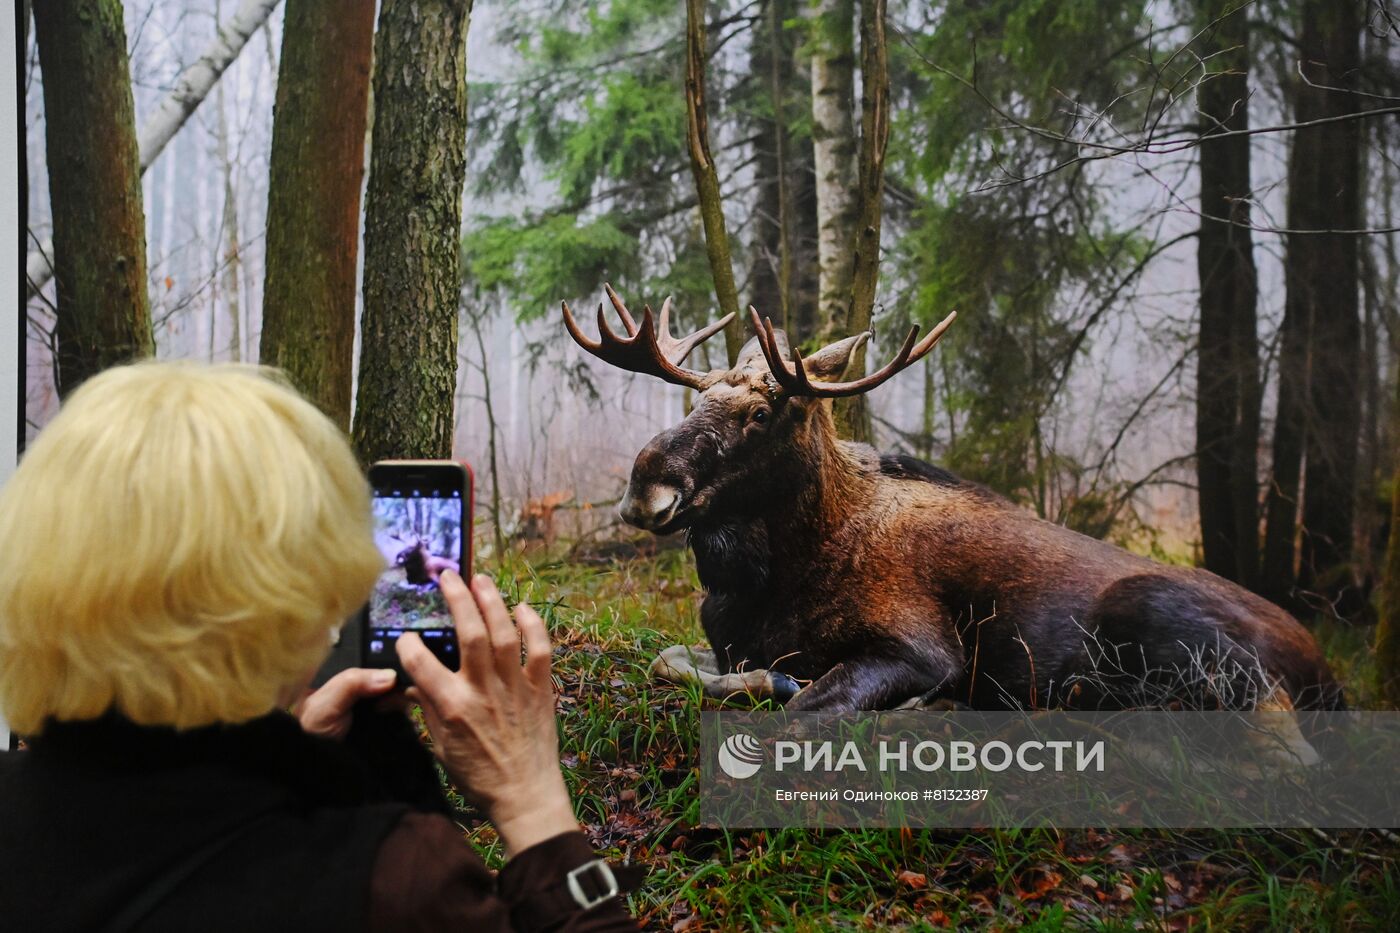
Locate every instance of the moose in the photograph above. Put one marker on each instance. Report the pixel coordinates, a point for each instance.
(876, 579)
(421, 566)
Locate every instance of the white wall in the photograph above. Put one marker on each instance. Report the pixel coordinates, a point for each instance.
(10, 306)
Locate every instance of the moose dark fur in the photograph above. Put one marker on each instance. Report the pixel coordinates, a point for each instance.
(422, 567)
(880, 578)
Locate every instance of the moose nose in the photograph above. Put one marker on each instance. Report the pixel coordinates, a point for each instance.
(651, 507)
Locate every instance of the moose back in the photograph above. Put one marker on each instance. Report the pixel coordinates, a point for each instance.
(882, 578)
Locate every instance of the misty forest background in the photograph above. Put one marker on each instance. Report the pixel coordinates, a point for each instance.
(1169, 229)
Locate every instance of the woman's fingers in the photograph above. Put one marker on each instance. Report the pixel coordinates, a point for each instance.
(472, 639)
(434, 682)
(327, 710)
(538, 652)
(505, 640)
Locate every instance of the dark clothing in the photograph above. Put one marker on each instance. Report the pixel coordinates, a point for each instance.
(426, 879)
(254, 828)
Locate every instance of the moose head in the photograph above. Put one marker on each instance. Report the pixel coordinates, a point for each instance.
(751, 427)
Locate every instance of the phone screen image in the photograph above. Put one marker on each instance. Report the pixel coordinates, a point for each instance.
(419, 533)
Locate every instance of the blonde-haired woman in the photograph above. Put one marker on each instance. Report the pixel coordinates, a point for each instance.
(176, 549)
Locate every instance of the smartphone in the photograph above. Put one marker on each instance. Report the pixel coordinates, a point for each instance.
(422, 527)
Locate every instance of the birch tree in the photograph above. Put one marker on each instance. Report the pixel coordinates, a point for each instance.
(313, 199)
(232, 258)
(413, 221)
(834, 150)
(99, 233)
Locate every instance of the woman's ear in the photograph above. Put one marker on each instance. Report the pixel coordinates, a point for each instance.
(829, 363)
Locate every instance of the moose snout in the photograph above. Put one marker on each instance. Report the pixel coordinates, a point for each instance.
(657, 490)
(649, 506)
(662, 492)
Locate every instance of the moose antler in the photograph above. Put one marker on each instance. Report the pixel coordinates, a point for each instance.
(793, 377)
(648, 347)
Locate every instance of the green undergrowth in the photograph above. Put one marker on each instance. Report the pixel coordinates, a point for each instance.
(629, 750)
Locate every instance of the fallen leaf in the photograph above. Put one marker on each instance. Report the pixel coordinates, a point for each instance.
(916, 880)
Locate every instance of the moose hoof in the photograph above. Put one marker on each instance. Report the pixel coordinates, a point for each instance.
(681, 664)
(784, 687)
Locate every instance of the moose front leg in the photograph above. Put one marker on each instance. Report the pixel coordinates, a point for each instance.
(875, 682)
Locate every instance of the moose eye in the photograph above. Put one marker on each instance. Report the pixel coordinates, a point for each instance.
(760, 416)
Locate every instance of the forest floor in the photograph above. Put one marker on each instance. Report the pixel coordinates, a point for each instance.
(630, 757)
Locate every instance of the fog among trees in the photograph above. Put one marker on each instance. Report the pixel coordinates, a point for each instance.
(1141, 240)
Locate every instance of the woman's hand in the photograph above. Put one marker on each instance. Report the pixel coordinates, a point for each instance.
(493, 723)
(326, 711)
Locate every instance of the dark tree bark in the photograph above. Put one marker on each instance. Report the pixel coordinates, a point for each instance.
(853, 414)
(702, 166)
(1278, 572)
(103, 312)
(413, 220)
(1388, 625)
(783, 280)
(770, 270)
(313, 200)
(1227, 379)
(1319, 369)
(1332, 39)
(803, 237)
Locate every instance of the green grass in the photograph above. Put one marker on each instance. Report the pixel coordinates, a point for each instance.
(629, 751)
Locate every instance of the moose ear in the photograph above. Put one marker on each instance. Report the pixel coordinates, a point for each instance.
(829, 363)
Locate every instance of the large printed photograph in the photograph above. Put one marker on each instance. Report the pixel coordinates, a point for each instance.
(825, 356)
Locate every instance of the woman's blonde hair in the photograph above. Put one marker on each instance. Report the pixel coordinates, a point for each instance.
(176, 545)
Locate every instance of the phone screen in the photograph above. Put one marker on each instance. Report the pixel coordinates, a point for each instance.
(419, 532)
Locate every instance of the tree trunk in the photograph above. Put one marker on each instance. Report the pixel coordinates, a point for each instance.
(492, 459)
(1227, 371)
(313, 200)
(834, 148)
(1278, 571)
(1323, 270)
(770, 270)
(413, 222)
(1388, 626)
(232, 255)
(702, 166)
(802, 238)
(853, 414)
(162, 125)
(103, 312)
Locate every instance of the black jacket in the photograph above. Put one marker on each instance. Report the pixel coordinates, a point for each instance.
(254, 828)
